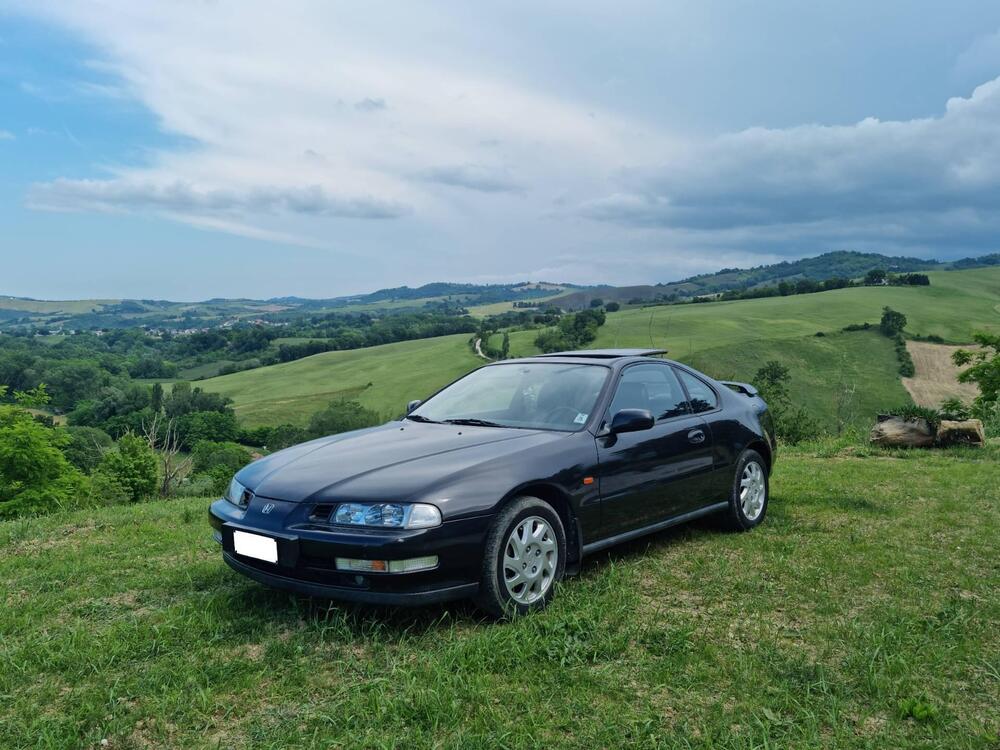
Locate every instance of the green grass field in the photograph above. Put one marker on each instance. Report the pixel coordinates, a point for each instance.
(725, 339)
(47, 307)
(957, 304)
(384, 378)
(871, 593)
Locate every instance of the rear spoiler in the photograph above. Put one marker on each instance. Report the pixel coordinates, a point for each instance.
(744, 388)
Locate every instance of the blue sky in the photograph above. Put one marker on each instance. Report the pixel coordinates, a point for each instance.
(194, 149)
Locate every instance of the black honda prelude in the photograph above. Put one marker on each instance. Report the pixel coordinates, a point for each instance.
(501, 483)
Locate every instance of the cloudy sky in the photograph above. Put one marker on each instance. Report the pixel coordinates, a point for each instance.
(199, 148)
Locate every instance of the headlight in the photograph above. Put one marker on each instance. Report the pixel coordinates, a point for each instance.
(388, 515)
(236, 492)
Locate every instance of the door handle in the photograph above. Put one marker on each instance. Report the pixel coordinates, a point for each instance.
(696, 436)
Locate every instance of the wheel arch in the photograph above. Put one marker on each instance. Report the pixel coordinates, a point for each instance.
(762, 447)
(560, 502)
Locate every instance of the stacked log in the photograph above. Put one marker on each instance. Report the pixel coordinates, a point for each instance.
(900, 432)
(964, 432)
(903, 433)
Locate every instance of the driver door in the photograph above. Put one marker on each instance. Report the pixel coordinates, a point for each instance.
(651, 475)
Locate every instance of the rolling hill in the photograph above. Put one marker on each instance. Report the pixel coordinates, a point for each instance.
(725, 339)
(845, 264)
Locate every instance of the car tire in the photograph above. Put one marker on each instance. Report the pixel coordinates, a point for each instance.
(523, 560)
(750, 492)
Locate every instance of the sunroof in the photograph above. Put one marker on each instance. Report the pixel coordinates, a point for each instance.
(607, 353)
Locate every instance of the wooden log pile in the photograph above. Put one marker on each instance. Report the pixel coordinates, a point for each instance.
(901, 432)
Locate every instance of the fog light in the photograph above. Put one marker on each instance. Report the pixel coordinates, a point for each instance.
(387, 566)
(413, 564)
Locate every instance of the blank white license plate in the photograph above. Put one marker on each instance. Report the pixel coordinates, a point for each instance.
(256, 546)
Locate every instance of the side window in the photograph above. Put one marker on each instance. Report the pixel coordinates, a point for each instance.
(703, 398)
(652, 387)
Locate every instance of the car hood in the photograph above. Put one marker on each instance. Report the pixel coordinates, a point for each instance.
(396, 461)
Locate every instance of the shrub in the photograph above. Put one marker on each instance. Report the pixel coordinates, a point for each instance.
(207, 425)
(86, 446)
(792, 424)
(952, 408)
(612, 307)
(285, 435)
(572, 332)
(983, 367)
(341, 416)
(105, 489)
(912, 412)
(255, 436)
(133, 465)
(208, 455)
(892, 322)
(35, 476)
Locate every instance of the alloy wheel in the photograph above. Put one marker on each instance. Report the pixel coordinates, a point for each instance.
(753, 490)
(530, 560)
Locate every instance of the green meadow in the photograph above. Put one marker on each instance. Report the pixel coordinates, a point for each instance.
(383, 378)
(861, 614)
(725, 339)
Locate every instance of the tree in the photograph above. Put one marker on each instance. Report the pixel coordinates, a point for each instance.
(612, 307)
(207, 425)
(876, 277)
(505, 346)
(133, 465)
(285, 435)
(156, 398)
(793, 424)
(34, 474)
(771, 380)
(572, 332)
(341, 416)
(165, 443)
(892, 323)
(597, 302)
(86, 446)
(983, 369)
(219, 461)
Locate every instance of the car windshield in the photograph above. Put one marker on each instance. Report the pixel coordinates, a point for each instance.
(527, 395)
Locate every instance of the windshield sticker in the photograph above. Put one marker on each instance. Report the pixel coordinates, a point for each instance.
(580, 418)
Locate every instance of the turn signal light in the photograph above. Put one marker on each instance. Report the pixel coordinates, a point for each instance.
(387, 566)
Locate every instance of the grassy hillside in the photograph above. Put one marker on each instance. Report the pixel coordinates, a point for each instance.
(725, 339)
(381, 377)
(872, 587)
(821, 368)
(955, 305)
(845, 264)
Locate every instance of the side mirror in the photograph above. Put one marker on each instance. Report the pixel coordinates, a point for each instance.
(413, 405)
(632, 420)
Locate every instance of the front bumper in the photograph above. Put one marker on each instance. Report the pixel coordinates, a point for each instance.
(307, 554)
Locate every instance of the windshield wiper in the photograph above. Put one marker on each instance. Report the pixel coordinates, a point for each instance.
(473, 422)
(421, 418)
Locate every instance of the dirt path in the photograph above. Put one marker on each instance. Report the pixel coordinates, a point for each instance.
(936, 377)
(479, 350)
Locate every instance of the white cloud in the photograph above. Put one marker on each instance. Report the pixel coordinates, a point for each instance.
(473, 142)
(380, 123)
(873, 181)
(471, 176)
(6, 135)
(180, 198)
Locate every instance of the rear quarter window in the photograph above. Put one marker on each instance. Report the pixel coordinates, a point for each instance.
(701, 397)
